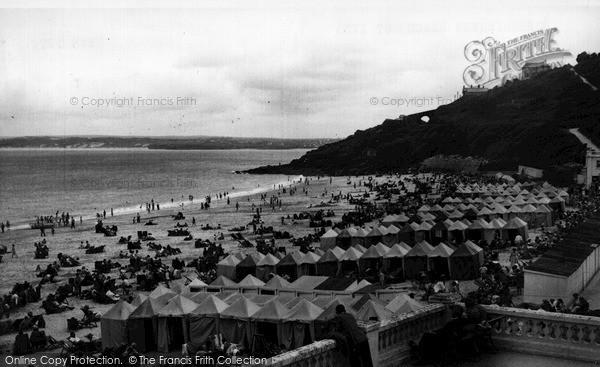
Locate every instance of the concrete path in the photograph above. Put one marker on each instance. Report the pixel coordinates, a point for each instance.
(583, 139)
(584, 80)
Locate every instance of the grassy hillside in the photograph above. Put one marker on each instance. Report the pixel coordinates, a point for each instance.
(522, 122)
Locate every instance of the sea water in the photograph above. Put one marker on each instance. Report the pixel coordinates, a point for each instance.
(83, 182)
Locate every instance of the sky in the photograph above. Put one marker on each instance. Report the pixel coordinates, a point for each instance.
(321, 69)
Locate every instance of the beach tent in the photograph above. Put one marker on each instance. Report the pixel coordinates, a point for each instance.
(542, 216)
(391, 236)
(268, 321)
(223, 281)
(407, 233)
(372, 259)
(360, 248)
(173, 323)
(357, 305)
(389, 220)
(360, 237)
(349, 262)
(227, 266)
(261, 299)
(143, 325)
(557, 204)
(308, 264)
(299, 324)
(439, 260)
(393, 261)
(204, 320)
(403, 304)
(515, 227)
(113, 325)
(138, 299)
(423, 232)
(197, 285)
(319, 252)
(308, 282)
(373, 311)
(480, 230)
(236, 324)
(357, 286)
(178, 286)
(416, 261)
(527, 213)
(277, 282)
(328, 239)
(457, 231)
(198, 297)
(160, 291)
(266, 266)
(248, 265)
(328, 263)
(251, 281)
(466, 261)
(373, 237)
(288, 266)
(439, 232)
(344, 238)
(239, 255)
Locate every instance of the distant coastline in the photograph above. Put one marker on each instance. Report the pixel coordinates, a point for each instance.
(159, 143)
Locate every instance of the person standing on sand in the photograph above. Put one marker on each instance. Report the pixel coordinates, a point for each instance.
(14, 252)
(2, 226)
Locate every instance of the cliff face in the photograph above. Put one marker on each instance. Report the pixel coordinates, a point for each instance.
(522, 122)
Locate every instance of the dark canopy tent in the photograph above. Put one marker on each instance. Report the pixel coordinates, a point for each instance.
(114, 325)
(266, 266)
(373, 237)
(349, 262)
(143, 325)
(269, 321)
(344, 239)
(439, 232)
(372, 260)
(515, 227)
(299, 324)
(173, 322)
(439, 260)
(246, 267)
(308, 264)
(416, 261)
(394, 261)
(391, 236)
(407, 233)
(236, 324)
(328, 263)
(204, 320)
(289, 265)
(466, 261)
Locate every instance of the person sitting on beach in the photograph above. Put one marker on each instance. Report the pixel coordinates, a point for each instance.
(38, 338)
(22, 345)
(73, 338)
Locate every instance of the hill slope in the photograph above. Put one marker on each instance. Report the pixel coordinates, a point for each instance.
(522, 122)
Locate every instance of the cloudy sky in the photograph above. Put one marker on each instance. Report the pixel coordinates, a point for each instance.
(256, 69)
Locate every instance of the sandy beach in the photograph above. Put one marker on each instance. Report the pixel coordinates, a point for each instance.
(68, 241)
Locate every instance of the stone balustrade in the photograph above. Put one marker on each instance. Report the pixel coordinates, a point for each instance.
(388, 341)
(322, 353)
(551, 334)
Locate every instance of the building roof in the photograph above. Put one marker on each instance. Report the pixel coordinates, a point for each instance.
(565, 257)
